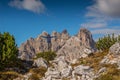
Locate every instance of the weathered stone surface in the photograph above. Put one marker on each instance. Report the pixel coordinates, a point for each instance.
(102, 70)
(79, 70)
(53, 73)
(35, 45)
(60, 63)
(83, 72)
(73, 49)
(113, 56)
(79, 46)
(86, 38)
(40, 62)
(66, 72)
(115, 49)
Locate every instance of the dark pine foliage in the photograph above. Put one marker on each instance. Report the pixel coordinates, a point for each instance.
(107, 41)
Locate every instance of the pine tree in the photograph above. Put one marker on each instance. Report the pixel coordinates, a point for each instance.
(106, 42)
(8, 49)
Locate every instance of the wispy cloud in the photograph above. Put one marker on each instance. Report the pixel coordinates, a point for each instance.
(35, 6)
(109, 7)
(106, 8)
(101, 14)
(106, 31)
(94, 25)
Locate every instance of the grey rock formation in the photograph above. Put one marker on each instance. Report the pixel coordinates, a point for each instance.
(71, 47)
(86, 39)
(62, 69)
(53, 73)
(31, 47)
(84, 72)
(113, 56)
(40, 62)
(115, 49)
(66, 72)
(79, 46)
(60, 40)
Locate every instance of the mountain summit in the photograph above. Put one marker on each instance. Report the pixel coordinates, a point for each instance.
(71, 47)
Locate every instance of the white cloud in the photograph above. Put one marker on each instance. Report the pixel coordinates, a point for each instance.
(101, 13)
(94, 25)
(106, 31)
(109, 7)
(35, 6)
(105, 7)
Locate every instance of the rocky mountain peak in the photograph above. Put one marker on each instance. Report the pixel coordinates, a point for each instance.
(62, 43)
(64, 31)
(44, 33)
(86, 38)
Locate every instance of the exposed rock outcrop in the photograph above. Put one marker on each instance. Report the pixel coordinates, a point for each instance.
(114, 55)
(40, 62)
(62, 69)
(79, 46)
(71, 47)
(85, 38)
(31, 47)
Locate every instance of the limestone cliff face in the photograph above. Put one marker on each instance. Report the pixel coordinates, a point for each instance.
(79, 46)
(70, 47)
(86, 39)
(33, 46)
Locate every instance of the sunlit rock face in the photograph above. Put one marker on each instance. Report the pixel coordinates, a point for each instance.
(79, 46)
(114, 55)
(31, 47)
(62, 43)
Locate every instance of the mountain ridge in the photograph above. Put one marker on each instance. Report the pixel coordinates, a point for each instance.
(31, 47)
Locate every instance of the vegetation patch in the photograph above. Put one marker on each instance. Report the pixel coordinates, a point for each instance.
(9, 75)
(106, 42)
(112, 73)
(8, 50)
(37, 73)
(48, 56)
(92, 60)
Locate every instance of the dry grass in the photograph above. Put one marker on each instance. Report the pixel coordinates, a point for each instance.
(37, 73)
(92, 60)
(9, 75)
(112, 73)
(65, 78)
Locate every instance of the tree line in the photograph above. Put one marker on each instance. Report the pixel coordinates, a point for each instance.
(106, 42)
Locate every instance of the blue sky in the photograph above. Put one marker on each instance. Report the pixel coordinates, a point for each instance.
(29, 18)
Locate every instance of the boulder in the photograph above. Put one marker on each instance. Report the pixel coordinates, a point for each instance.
(53, 73)
(60, 63)
(40, 62)
(66, 72)
(115, 49)
(83, 72)
(79, 70)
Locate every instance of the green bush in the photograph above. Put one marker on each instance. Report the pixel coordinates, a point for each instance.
(106, 42)
(8, 49)
(47, 55)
